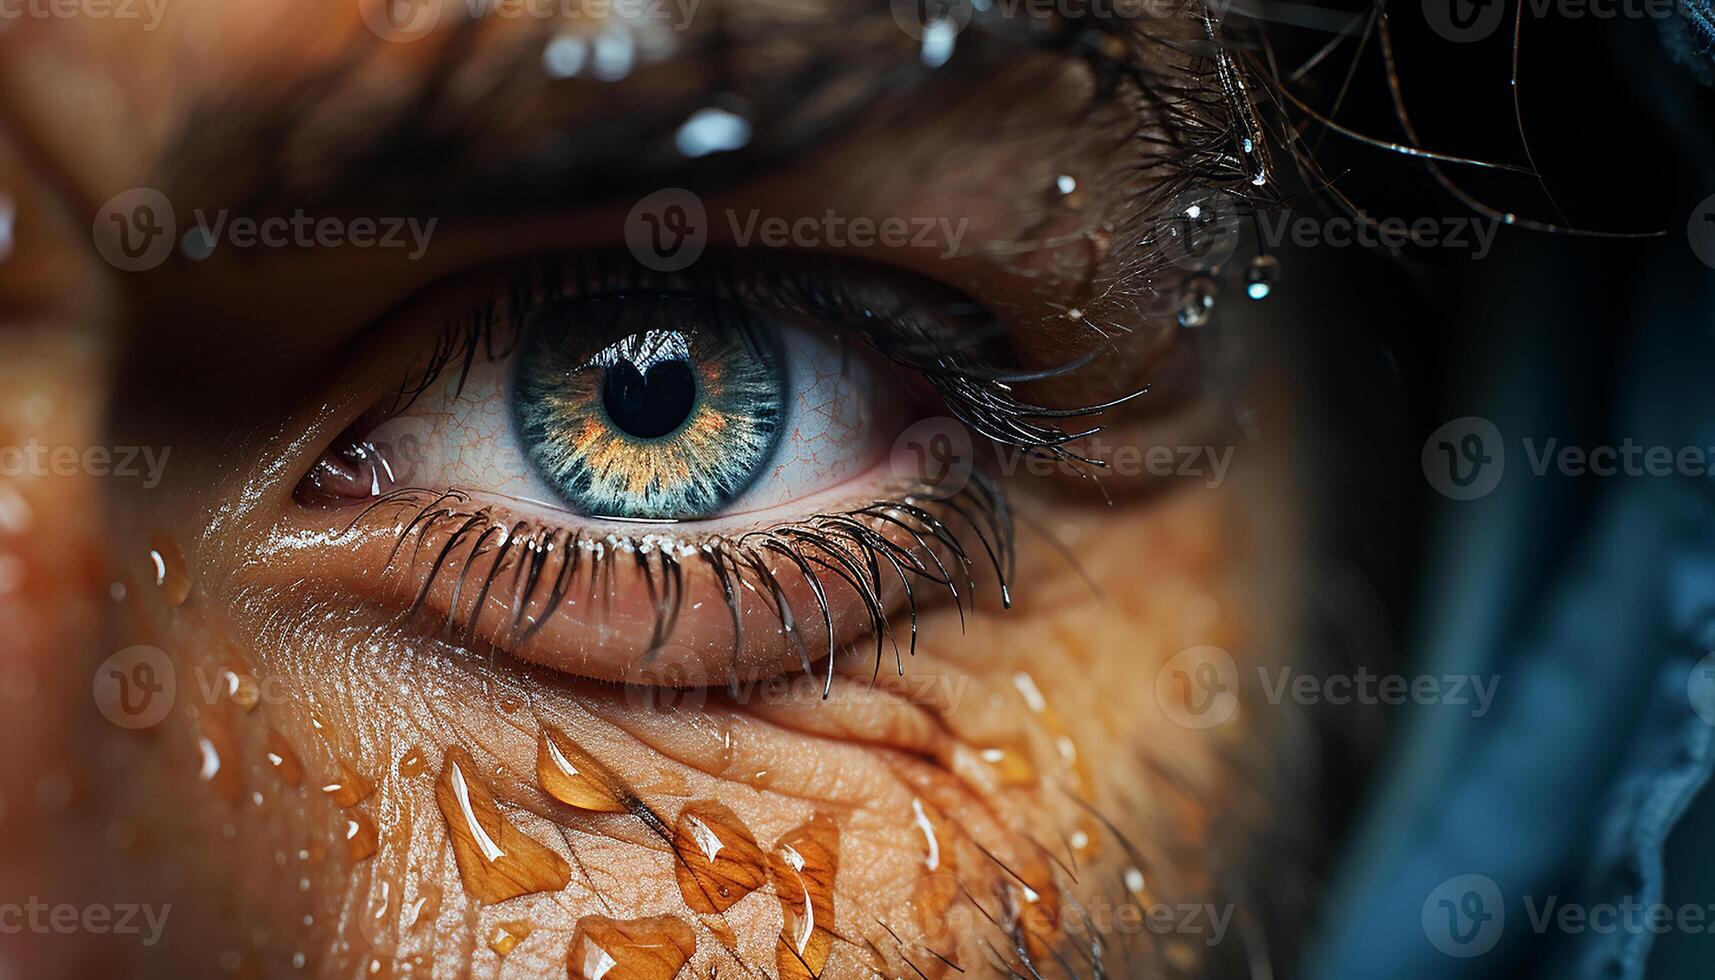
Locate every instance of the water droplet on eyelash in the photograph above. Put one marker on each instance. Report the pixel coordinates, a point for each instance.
(350, 788)
(803, 866)
(570, 775)
(1260, 278)
(1197, 303)
(496, 860)
(505, 936)
(362, 840)
(719, 862)
(629, 949)
(285, 762)
(168, 570)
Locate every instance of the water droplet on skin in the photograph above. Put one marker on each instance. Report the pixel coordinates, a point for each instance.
(413, 762)
(350, 788)
(361, 838)
(629, 949)
(217, 748)
(931, 842)
(803, 865)
(1261, 277)
(1012, 766)
(719, 862)
(496, 860)
(242, 689)
(167, 569)
(285, 762)
(572, 776)
(1197, 303)
(711, 130)
(505, 936)
(565, 56)
(423, 912)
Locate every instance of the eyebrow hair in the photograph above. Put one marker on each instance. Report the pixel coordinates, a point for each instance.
(331, 141)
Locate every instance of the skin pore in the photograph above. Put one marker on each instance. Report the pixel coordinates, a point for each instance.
(340, 789)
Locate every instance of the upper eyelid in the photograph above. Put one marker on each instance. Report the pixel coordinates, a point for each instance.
(976, 390)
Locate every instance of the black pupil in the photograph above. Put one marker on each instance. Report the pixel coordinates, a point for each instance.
(649, 405)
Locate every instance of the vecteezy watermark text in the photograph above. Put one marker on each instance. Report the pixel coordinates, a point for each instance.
(34, 459)
(148, 11)
(119, 918)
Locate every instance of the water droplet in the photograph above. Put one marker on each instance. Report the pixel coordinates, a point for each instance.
(565, 55)
(505, 936)
(932, 843)
(285, 762)
(615, 54)
(168, 570)
(424, 910)
(413, 762)
(572, 776)
(634, 949)
(1011, 765)
(1260, 278)
(719, 862)
(939, 38)
(711, 130)
(362, 840)
(496, 860)
(803, 866)
(242, 689)
(350, 788)
(1197, 303)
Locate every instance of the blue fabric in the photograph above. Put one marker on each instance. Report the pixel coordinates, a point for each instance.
(1591, 600)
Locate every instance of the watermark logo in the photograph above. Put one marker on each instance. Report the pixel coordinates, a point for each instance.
(1700, 230)
(1464, 459)
(400, 20)
(936, 451)
(135, 230)
(135, 687)
(666, 679)
(1464, 21)
(1700, 688)
(1464, 916)
(667, 230)
(1198, 687)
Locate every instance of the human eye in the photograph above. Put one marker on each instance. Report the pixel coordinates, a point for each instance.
(710, 460)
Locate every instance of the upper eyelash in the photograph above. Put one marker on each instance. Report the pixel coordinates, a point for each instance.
(975, 389)
(546, 560)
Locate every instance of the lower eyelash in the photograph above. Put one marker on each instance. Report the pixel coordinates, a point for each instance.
(537, 565)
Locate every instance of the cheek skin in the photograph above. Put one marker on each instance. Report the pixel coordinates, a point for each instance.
(308, 801)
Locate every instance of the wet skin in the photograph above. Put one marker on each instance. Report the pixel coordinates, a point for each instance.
(343, 790)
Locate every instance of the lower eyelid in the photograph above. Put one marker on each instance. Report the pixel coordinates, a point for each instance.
(636, 606)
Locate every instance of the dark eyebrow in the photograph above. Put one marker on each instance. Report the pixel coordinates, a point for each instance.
(486, 129)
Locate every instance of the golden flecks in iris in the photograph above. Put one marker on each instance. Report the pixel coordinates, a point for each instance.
(730, 431)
